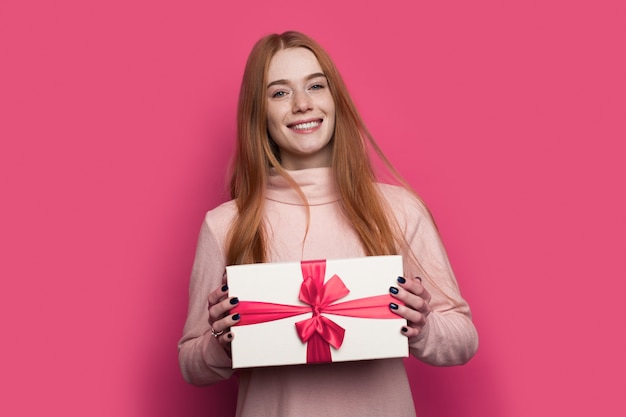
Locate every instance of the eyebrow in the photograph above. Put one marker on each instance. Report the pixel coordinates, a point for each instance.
(307, 78)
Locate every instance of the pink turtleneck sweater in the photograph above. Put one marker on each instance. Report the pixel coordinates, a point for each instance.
(366, 388)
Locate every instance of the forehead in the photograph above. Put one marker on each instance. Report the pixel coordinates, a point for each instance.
(292, 64)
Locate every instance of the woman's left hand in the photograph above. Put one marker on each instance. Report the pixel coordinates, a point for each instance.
(416, 306)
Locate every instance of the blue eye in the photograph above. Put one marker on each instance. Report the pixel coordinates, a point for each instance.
(317, 87)
(280, 94)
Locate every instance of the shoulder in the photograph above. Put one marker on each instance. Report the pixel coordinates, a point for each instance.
(219, 219)
(401, 200)
(406, 208)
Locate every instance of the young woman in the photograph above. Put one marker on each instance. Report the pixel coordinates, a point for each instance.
(303, 188)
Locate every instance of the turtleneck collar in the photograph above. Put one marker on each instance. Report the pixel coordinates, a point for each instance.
(317, 184)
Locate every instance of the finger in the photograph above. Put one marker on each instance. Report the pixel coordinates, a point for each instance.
(218, 295)
(414, 286)
(221, 309)
(410, 331)
(412, 316)
(224, 341)
(226, 323)
(225, 336)
(218, 309)
(420, 289)
(415, 302)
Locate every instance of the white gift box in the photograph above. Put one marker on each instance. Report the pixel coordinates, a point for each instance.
(358, 311)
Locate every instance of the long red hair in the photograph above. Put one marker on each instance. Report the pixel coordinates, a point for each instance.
(256, 154)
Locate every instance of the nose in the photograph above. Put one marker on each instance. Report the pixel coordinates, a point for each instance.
(301, 102)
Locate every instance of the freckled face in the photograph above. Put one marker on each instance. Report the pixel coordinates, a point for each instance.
(300, 109)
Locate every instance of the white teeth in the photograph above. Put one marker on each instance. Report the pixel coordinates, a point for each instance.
(305, 126)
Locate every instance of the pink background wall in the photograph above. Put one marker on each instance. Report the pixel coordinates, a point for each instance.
(116, 124)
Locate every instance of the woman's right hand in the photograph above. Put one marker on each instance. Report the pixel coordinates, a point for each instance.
(219, 318)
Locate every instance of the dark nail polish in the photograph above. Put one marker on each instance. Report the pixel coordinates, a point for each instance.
(234, 301)
(229, 335)
(224, 288)
(404, 330)
(236, 316)
(401, 280)
(393, 306)
(393, 290)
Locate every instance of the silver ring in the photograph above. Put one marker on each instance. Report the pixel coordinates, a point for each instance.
(216, 334)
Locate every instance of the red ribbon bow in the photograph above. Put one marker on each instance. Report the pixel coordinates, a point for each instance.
(318, 331)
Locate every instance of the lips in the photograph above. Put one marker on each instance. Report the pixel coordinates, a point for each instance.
(305, 125)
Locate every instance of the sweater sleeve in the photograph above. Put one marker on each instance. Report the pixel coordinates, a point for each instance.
(449, 336)
(202, 360)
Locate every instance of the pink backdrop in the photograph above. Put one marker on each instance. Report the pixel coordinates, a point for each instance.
(116, 124)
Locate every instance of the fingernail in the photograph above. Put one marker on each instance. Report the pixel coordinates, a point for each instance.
(236, 316)
(234, 301)
(393, 306)
(404, 330)
(401, 280)
(224, 288)
(229, 335)
(393, 290)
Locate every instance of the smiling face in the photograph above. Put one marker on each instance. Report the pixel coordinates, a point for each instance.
(300, 109)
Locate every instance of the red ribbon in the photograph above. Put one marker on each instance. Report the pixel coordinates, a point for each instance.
(318, 331)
